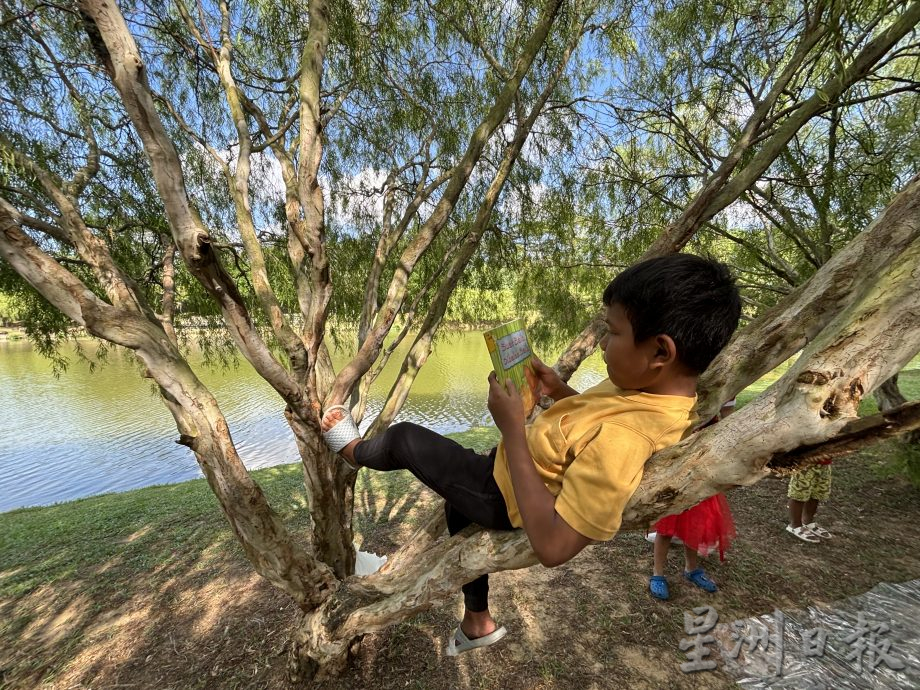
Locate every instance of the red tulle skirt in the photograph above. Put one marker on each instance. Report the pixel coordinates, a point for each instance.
(705, 527)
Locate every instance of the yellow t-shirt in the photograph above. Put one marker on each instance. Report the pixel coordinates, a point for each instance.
(590, 450)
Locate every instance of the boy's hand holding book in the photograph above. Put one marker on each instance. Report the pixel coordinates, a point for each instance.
(505, 404)
(545, 381)
(515, 364)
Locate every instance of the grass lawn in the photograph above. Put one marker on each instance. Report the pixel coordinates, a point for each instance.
(149, 588)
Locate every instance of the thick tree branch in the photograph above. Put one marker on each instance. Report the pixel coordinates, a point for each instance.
(238, 182)
(856, 435)
(118, 52)
(795, 321)
(311, 233)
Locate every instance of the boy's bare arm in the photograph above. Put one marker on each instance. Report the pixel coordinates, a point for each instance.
(552, 538)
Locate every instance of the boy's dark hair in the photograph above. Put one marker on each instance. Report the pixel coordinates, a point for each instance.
(692, 299)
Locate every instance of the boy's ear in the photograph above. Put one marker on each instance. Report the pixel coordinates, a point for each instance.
(665, 350)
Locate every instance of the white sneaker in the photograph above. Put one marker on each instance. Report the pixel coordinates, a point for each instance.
(817, 529)
(674, 540)
(803, 533)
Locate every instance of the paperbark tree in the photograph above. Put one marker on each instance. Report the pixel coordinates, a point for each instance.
(858, 333)
(60, 223)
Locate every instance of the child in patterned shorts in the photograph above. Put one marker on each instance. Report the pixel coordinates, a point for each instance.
(807, 487)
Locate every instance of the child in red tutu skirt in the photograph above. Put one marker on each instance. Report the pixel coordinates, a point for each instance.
(705, 527)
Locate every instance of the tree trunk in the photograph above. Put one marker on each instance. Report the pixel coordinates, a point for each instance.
(888, 396)
(325, 637)
(330, 486)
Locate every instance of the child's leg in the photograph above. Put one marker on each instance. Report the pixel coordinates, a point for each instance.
(800, 486)
(694, 573)
(821, 491)
(809, 510)
(657, 584)
(662, 544)
(795, 512)
(459, 475)
(477, 620)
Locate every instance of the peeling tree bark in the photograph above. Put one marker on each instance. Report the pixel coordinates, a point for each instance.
(361, 605)
(330, 493)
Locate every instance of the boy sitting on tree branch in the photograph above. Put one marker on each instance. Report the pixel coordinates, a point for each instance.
(567, 477)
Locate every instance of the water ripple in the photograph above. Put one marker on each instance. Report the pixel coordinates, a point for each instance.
(90, 433)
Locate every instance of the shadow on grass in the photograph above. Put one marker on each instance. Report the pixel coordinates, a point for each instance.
(388, 498)
(383, 498)
(150, 589)
(77, 574)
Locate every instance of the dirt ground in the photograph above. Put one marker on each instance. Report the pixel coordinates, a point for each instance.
(587, 624)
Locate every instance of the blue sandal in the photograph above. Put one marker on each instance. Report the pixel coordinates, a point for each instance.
(658, 586)
(701, 580)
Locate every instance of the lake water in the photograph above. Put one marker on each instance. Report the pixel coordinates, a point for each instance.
(87, 433)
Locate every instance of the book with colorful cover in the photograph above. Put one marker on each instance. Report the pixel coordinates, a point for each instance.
(511, 355)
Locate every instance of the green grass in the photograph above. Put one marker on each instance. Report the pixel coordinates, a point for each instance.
(112, 534)
(103, 539)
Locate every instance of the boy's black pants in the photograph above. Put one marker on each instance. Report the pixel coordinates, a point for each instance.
(461, 476)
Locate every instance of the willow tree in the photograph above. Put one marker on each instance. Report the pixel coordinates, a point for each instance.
(426, 110)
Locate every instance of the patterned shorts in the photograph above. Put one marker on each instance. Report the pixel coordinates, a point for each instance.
(811, 483)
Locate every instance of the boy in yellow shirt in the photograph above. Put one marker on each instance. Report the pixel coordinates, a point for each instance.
(567, 477)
